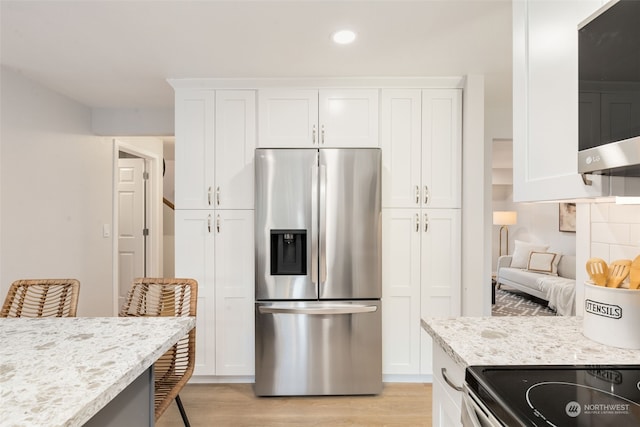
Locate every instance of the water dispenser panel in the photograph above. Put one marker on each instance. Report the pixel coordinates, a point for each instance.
(289, 252)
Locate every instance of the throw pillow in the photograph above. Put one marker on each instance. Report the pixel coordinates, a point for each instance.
(520, 257)
(541, 262)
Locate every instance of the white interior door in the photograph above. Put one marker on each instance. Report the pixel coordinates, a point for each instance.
(131, 223)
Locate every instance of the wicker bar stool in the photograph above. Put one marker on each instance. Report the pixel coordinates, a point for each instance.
(167, 297)
(42, 298)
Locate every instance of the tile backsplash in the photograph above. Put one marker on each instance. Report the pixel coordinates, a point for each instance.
(615, 231)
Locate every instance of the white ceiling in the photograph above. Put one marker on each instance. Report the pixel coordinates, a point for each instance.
(118, 54)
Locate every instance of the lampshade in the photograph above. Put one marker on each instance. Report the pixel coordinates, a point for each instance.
(505, 217)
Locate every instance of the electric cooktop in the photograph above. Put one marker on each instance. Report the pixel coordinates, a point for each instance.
(594, 396)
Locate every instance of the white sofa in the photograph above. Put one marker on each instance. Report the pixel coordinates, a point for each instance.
(558, 290)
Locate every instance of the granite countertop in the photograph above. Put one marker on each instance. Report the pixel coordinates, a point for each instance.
(62, 371)
(522, 340)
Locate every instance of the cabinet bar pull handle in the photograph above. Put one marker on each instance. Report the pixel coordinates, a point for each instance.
(218, 223)
(209, 196)
(417, 222)
(448, 381)
(417, 194)
(322, 134)
(218, 195)
(426, 222)
(426, 194)
(313, 141)
(209, 223)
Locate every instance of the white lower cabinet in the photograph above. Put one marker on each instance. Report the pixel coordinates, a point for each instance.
(194, 254)
(421, 278)
(234, 287)
(400, 291)
(448, 378)
(215, 247)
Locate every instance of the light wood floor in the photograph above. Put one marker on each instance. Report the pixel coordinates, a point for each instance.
(236, 405)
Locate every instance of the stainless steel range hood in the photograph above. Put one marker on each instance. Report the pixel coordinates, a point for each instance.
(621, 158)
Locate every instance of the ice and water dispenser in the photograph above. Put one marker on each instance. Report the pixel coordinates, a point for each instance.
(288, 252)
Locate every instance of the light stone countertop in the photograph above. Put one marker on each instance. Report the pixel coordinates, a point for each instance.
(522, 340)
(62, 371)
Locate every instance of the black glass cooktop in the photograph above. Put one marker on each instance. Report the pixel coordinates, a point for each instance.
(586, 396)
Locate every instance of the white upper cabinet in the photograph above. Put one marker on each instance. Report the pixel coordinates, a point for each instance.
(349, 118)
(287, 118)
(545, 100)
(327, 118)
(401, 142)
(194, 149)
(421, 148)
(441, 148)
(215, 143)
(235, 143)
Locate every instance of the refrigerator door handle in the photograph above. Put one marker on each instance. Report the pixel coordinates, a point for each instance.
(323, 224)
(314, 224)
(335, 309)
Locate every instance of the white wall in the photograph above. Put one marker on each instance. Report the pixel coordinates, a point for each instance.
(537, 222)
(56, 190)
(132, 121)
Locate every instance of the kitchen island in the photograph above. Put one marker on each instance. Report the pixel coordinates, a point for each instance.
(519, 340)
(77, 371)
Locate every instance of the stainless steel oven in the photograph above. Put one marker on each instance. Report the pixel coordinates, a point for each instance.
(474, 412)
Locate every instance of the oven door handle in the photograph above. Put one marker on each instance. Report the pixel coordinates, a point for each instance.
(336, 309)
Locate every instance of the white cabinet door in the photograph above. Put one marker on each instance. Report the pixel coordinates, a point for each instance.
(440, 276)
(401, 143)
(288, 118)
(422, 148)
(194, 252)
(447, 400)
(348, 117)
(194, 150)
(234, 283)
(441, 148)
(545, 100)
(421, 278)
(328, 118)
(235, 143)
(401, 291)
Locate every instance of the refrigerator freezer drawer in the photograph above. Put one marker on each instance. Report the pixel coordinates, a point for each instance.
(318, 348)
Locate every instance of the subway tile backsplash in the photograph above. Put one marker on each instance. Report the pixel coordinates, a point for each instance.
(615, 231)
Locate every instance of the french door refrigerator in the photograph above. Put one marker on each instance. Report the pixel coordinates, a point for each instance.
(318, 272)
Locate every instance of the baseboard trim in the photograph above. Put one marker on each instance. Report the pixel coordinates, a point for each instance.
(240, 379)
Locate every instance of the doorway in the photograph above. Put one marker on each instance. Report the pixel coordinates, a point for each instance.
(132, 221)
(137, 213)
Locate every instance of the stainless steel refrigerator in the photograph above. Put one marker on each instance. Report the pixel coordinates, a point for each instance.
(318, 272)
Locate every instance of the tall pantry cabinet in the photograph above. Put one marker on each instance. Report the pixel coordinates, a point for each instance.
(421, 156)
(215, 142)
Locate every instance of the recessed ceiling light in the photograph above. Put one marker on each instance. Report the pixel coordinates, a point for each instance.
(344, 36)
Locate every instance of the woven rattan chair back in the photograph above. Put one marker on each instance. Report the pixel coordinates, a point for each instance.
(42, 298)
(167, 297)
